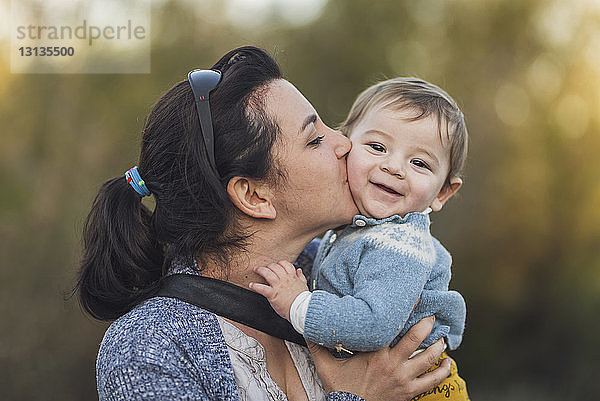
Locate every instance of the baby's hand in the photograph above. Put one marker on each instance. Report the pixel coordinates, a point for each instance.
(285, 284)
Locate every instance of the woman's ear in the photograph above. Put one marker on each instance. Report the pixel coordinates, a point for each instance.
(446, 193)
(251, 197)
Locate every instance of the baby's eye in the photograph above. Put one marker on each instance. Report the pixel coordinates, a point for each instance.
(317, 141)
(377, 147)
(420, 163)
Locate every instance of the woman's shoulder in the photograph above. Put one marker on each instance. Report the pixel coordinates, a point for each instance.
(178, 337)
(159, 320)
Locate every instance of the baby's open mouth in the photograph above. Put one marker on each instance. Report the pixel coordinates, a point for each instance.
(387, 189)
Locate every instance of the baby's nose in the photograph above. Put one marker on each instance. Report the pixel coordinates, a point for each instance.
(393, 169)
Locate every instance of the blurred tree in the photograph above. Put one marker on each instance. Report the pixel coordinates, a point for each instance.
(524, 233)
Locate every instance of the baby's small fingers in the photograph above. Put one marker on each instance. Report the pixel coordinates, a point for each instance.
(288, 267)
(264, 290)
(267, 273)
(277, 269)
(300, 275)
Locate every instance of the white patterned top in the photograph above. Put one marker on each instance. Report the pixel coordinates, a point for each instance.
(250, 367)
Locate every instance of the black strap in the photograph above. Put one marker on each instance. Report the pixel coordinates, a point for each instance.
(230, 301)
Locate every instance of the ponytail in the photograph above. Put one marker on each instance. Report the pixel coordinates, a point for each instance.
(122, 259)
(124, 244)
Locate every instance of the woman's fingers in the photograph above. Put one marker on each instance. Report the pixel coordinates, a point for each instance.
(387, 373)
(426, 359)
(431, 379)
(410, 342)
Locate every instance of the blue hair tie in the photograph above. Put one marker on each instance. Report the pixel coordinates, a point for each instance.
(133, 178)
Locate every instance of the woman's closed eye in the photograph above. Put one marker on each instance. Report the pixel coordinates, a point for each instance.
(317, 141)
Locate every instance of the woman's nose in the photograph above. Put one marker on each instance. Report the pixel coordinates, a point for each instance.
(342, 145)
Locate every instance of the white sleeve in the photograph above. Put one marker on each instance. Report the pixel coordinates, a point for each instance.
(298, 311)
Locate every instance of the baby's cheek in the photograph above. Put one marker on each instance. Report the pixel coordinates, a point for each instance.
(354, 181)
(423, 202)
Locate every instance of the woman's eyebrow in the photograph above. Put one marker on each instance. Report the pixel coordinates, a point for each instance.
(307, 121)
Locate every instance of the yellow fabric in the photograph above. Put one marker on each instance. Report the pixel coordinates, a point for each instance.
(452, 388)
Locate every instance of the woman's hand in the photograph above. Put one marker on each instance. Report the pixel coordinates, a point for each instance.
(285, 284)
(387, 374)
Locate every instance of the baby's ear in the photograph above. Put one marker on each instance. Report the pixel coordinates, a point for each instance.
(446, 193)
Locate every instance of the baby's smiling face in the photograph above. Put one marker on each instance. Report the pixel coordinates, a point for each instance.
(398, 166)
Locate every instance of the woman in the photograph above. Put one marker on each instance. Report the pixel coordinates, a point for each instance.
(278, 180)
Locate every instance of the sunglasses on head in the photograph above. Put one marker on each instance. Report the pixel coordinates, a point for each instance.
(202, 82)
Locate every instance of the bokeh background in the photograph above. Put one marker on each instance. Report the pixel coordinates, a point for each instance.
(524, 233)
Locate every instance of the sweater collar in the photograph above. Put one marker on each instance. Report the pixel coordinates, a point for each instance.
(360, 221)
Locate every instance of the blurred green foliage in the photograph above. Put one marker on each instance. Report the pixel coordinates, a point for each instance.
(524, 233)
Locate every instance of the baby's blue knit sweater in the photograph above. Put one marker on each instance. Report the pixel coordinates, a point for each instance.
(369, 278)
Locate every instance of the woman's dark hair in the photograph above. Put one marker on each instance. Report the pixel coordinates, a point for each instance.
(126, 247)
